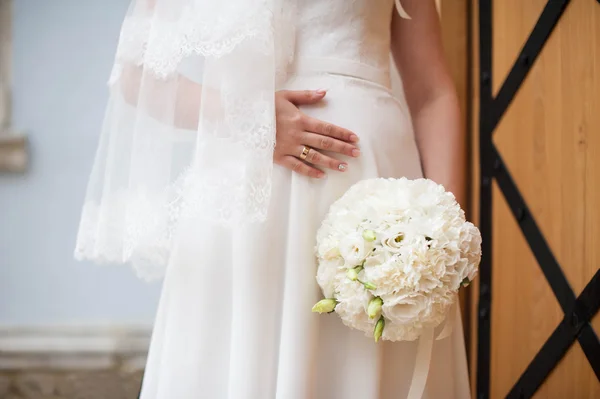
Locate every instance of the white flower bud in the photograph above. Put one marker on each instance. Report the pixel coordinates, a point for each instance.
(325, 306)
(333, 253)
(353, 273)
(378, 329)
(369, 235)
(374, 307)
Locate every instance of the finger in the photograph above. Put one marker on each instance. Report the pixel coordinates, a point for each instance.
(300, 167)
(314, 157)
(329, 144)
(304, 97)
(328, 129)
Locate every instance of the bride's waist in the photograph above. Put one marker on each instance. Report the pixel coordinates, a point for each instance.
(343, 67)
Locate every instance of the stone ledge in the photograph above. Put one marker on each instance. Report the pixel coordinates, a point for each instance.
(48, 384)
(122, 348)
(72, 362)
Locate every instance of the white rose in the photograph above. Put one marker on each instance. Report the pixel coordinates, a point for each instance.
(409, 332)
(387, 277)
(454, 277)
(442, 299)
(428, 283)
(353, 300)
(358, 321)
(472, 270)
(353, 295)
(437, 262)
(328, 248)
(452, 257)
(329, 276)
(353, 249)
(438, 310)
(394, 239)
(377, 257)
(406, 309)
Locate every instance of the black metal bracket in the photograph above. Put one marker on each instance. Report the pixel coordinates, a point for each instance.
(575, 325)
(578, 311)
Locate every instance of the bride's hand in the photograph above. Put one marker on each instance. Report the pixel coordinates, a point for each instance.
(300, 137)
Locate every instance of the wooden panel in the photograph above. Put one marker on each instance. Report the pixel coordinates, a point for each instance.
(545, 140)
(550, 141)
(591, 104)
(506, 42)
(566, 381)
(538, 139)
(524, 309)
(454, 27)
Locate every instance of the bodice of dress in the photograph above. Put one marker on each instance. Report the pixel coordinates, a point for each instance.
(352, 30)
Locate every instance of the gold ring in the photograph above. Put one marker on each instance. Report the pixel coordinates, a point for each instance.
(304, 154)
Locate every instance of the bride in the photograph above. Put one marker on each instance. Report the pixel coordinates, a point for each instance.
(231, 128)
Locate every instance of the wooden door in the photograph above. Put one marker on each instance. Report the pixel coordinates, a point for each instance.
(536, 119)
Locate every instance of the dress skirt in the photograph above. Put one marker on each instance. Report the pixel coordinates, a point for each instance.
(234, 319)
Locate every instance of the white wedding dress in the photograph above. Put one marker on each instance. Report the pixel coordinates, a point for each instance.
(235, 320)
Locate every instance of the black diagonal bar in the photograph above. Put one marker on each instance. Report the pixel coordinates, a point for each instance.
(578, 312)
(544, 362)
(586, 307)
(574, 322)
(529, 54)
(591, 348)
(540, 248)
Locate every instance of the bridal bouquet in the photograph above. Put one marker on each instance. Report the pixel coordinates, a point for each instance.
(392, 255)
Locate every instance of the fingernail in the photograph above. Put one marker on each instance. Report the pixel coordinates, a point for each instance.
(342, 167)
(321, 175)
(354, 138)
(321, 91)
(355, 152)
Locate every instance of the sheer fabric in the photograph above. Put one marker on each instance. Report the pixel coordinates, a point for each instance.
(189, 127)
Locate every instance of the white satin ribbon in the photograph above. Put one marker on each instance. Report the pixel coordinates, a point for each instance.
(424, 350)
(401, 10)
(449, 322)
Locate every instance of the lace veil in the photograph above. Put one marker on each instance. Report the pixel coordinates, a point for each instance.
(189, 127)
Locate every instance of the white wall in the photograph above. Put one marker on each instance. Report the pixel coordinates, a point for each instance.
(62, 54)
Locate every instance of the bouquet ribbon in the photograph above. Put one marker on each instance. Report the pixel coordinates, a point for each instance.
(424, 350)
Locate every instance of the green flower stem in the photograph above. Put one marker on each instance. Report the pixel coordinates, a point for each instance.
(353, 273)
(367, 285)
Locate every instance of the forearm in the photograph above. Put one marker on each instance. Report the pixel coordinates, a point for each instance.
(184, 115)
(442, 142)
(431, 96)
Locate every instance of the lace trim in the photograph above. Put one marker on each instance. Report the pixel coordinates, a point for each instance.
(138, 226)
(161, 45)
